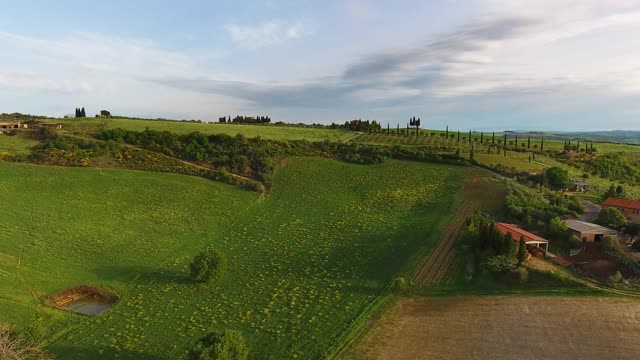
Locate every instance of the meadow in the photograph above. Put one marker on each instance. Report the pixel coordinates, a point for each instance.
(17, 144)
(305, 262)
(92, 125)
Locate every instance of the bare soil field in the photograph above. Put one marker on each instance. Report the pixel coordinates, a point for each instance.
(504, 327)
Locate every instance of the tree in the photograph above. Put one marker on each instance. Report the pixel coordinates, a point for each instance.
(208, 266)
(522, 251)
(631, 229)
(557, 177)
(228, 345)
(83, 113)
(13, 347)
(106, 113)
(611, 217)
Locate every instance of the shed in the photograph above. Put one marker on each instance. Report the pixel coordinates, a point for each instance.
(589, 232)
(517, 233)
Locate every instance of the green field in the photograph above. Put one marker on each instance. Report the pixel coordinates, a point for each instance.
(305, 261)
(88, 125)
(16, 145)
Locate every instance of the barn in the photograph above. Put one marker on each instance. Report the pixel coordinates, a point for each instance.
(529, 238)
(588, 232)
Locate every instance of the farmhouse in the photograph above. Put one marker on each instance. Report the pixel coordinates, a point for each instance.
(517, 233)
(629, 208)
(589, 232)
(12, 125)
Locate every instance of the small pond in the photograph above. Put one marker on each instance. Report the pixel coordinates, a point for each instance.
(88, 306)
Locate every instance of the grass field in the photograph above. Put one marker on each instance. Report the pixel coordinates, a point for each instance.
(505, 327)
(305, 262)
(17, 145)
(89, 125)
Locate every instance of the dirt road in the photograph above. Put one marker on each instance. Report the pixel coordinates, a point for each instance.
(591, 210)
(504, 327)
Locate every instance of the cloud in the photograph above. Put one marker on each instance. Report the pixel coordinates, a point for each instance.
(265, 34)
(19, 80)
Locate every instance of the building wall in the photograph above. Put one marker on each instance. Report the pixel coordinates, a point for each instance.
(630, 214)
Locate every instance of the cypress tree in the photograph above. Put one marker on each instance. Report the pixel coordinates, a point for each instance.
(388, 129)
(569, 145)
(398, 130)
(469, 136)
(471, 153)
(522, 251)
(447, 133)
(493, 138)
(528, 142)
(542, 144)
(482, 137)
(578, 146)
(458, 135)
(82, 113)
(505, 139)
(516, 141)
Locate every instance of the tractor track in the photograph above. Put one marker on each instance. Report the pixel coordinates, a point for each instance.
(434, 268)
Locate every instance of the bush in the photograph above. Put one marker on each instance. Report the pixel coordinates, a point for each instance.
(611, 217)
(228, 345)
(557, 177)
(575, 242)
(399, 284)
(615, 278)
(610, 243)
(208, 266)
(499, 264)
(16, 348)
(519, 276)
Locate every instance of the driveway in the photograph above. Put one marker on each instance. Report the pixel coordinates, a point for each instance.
(591, 211)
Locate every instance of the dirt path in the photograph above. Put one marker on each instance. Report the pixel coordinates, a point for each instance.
(591, 210)
(504, 327)
(435, 267)
(353, 137)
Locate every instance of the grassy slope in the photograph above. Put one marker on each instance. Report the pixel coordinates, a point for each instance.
(266, 132)
(17, 144)
(304, 262)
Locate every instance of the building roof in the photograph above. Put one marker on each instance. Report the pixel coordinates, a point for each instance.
(585, 227)
(516, 232)
(622, 203)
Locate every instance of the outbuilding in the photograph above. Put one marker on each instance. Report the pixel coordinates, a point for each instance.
(589, 232)
(517, 233)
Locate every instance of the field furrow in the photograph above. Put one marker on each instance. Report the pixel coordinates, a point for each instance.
(435, 266)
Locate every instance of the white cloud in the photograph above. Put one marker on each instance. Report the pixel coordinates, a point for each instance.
(265, 34)
(20, 80)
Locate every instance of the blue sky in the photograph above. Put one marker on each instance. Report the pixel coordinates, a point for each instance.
(524, 65)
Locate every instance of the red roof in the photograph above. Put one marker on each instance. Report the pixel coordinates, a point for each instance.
(622, 203)
(517, 233)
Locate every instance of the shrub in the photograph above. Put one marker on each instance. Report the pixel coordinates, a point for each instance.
(16, 348)
(228, 345)
(499, 264)
(518, 276)
(208, 266)
(610, 243)
(615, 278)
(575, 242)
(557, 177)
(611, 217)
(399, 284)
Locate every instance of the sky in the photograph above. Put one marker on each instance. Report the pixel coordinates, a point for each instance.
(469, 64)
